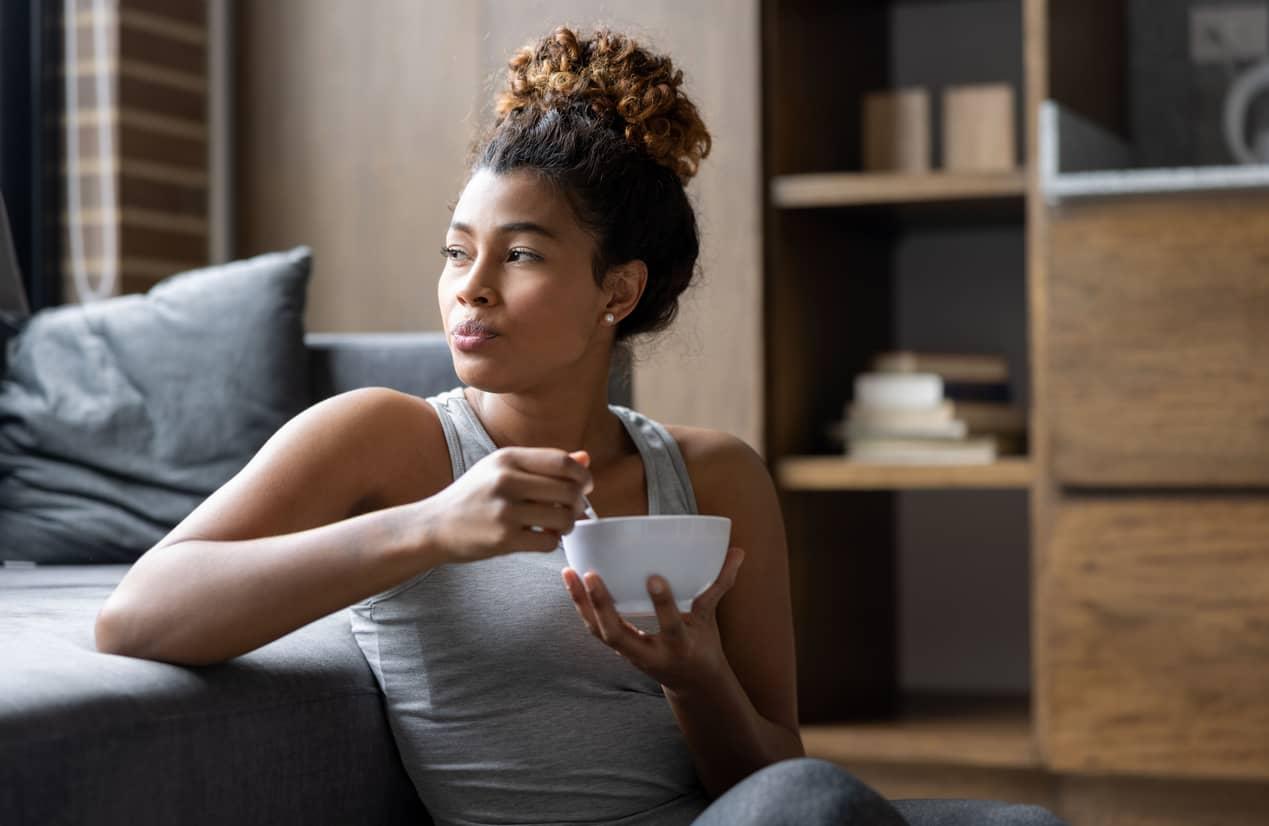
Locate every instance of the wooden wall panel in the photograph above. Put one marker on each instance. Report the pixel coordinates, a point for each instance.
(707, 369)
(1156, 628)
(1158, 346)
(354, 122)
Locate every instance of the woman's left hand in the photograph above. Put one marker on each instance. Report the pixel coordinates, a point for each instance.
(685, 652)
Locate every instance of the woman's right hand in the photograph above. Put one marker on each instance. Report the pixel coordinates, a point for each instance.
(490, 509)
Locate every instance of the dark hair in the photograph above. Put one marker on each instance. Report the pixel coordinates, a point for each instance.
(603, 122)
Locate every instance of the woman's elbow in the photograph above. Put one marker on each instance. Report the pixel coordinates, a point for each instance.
(111, 632)
(107, 633)
(116, 632)
(120, 631)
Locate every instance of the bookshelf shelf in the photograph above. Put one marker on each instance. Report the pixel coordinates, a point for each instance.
(956, 731)
(807, 473)
(832, 189)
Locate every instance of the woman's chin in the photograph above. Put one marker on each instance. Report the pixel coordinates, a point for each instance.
(481, 376)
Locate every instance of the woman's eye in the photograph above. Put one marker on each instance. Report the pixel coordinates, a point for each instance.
(454, 253)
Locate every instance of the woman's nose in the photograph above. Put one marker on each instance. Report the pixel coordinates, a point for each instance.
(480, 297)
(476, 289)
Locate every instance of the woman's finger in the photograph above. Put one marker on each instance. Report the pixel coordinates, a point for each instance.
(543, 516)
(521, 486)
(707, 603)
(613, 629)
(668, 617)
(549, 461)
(581, 600)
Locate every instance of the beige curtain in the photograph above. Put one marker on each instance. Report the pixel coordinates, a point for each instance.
(136, 137)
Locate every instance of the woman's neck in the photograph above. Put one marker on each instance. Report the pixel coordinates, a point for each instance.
(570, 420)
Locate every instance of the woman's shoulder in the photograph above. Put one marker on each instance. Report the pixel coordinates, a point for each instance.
(707, 444)
(368, 408)
(717, 462)
(397, 436)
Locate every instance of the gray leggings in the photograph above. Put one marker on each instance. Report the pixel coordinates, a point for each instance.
(806, 791)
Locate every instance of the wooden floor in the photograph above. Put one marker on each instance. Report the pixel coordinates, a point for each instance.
(983, 749)
(972, 731)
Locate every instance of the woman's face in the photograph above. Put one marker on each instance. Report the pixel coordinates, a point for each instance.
(518, 266)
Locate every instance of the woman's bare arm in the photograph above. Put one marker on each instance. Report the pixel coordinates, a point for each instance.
(306, 528)
(746, 717)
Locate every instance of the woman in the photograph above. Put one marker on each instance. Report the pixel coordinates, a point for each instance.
(438, 520)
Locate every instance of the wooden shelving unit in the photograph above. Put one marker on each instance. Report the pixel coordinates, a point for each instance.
(1138, 704)
(826, 473)
(859, 262)
(834, 189)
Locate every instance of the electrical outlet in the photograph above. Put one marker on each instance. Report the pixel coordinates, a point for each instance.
(1229, 32)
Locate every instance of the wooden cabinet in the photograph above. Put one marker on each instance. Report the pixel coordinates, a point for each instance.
(1159, 341)
(1155, 624)
(1152, 550)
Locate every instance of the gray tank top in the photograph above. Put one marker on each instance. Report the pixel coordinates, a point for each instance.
(505, 709)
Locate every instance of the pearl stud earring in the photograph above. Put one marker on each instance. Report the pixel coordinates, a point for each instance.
(609, 318)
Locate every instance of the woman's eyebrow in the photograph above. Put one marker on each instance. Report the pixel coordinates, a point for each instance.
(515, 226)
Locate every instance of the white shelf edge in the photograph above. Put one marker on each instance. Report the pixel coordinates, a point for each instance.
(1058, 186)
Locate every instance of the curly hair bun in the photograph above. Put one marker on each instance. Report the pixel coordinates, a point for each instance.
(621, 82)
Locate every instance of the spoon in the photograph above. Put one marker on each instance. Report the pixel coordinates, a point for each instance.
(584, 457)
(590, 513)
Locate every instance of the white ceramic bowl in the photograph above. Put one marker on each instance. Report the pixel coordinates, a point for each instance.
(687, 549)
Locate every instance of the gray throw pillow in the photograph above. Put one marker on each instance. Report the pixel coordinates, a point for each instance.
(118, 417)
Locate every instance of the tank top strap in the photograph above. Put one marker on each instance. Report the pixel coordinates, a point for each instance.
(669, 485)
(465, 437)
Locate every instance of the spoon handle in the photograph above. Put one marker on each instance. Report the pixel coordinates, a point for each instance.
(589, 510)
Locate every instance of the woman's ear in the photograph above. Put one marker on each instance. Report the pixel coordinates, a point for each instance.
(625, 284)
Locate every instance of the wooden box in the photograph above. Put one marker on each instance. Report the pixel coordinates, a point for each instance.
(897, 130)
(978, 128)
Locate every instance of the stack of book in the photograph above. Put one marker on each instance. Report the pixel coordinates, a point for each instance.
(932, 408)
(977, 385)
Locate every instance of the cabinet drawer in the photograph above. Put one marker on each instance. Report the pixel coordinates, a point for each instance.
(1158, 347)
(1153, 637)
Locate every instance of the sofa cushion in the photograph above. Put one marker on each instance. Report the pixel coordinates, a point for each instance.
(118, 417)
(293, 732)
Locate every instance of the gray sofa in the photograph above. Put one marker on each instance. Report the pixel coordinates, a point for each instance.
(293, 732)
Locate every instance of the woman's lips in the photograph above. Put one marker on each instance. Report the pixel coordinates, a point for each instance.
(471, 343)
